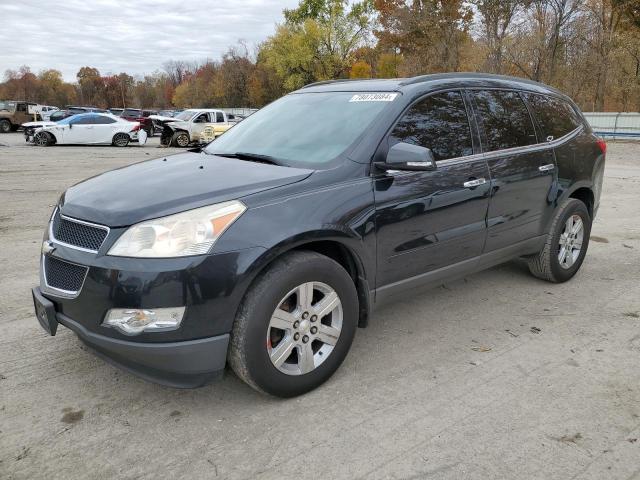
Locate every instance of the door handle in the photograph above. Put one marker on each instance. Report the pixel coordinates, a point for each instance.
(546, 168)
(474, 183)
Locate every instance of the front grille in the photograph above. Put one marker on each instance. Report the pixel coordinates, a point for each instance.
(63, 275)
(78, 234)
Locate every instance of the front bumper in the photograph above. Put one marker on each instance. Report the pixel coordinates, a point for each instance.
(185, 364)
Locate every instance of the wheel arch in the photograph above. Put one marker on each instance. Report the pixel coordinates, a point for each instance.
(586, 196)
(333, 247)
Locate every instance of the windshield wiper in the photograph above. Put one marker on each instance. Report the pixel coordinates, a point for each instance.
(254, 157)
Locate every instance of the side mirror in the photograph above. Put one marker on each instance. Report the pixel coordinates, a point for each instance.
(405, 156)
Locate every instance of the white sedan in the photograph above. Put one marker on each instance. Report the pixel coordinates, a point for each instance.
(90, 129)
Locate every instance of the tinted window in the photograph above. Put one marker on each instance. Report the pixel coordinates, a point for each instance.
(100, 120)
(201, 118)
(219, 117)
(438, 122)
(556, 117)
(505, 119)
(84, 120)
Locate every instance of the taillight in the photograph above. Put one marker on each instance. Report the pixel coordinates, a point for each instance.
(602, 145)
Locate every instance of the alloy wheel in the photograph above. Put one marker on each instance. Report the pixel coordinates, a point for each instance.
(305, 328)
(571, 239)
(41, 139)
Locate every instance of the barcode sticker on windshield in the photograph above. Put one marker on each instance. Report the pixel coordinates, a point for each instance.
(374, 97)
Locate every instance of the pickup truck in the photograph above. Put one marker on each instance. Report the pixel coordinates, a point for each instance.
(194, 126)
(14, 113)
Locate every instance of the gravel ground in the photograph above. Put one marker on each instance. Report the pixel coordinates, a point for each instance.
(496, 376)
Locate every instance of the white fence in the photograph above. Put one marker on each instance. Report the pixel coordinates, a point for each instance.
(616, 125)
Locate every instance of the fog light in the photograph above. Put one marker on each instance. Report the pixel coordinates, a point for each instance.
(134, 321)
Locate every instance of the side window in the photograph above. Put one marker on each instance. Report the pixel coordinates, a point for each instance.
(219, 117)
(84, 120)
(556, 117)
(505, 120)
(100, 120)
(202, 118)
(438, 122)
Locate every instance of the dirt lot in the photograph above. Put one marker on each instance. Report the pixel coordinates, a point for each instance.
(496, 376)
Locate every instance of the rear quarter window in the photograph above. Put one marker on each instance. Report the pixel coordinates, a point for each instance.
(555, 116)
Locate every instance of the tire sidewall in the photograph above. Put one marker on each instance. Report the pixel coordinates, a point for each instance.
(575, 207)
(5, 126)
(261, 369)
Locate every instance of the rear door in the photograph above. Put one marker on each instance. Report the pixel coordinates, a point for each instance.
(428, 220)
(522, 168)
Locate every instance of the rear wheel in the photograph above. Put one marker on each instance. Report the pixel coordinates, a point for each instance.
(180, 139)
(295, 325)
(566, 245)
(151, 132)
(5, 126)
(121, 139)
(42, 139)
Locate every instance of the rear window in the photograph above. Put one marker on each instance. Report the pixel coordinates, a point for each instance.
(556, 117)
(505, 119)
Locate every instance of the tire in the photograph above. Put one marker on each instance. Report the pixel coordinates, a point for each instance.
(42, 139)
(180, 139)
(5, 126)
(151, 132)
(547, 264)
(121, 139)
(254, 339)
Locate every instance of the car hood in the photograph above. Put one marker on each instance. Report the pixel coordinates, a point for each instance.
(160, 187)
(178, 124)
(38, 124)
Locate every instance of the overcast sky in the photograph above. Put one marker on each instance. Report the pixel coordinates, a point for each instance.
(133, 36)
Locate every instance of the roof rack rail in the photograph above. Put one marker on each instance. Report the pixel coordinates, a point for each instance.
(328, 82)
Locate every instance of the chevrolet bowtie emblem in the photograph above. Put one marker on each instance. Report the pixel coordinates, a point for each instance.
(47, 247)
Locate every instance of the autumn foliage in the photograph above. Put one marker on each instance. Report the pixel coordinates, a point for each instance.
(589, 49)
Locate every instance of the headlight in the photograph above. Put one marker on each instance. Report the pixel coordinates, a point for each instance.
(188, 233)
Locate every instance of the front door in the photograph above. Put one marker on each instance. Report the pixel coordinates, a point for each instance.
(428, 220)
(522, 168)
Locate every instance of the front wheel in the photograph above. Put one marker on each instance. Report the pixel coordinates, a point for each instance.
(180, 139)
(42, 139)
(566, 245)
(295, 325)
(121, 139)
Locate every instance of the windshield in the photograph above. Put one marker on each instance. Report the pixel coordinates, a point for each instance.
(8, 106)
(306, 129)
(186, 115)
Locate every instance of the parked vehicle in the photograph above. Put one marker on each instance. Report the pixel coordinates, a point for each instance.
(195, 126)
(45, 111)
(137, 115)
(89, 129)
(271, 245)
(14, 113)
